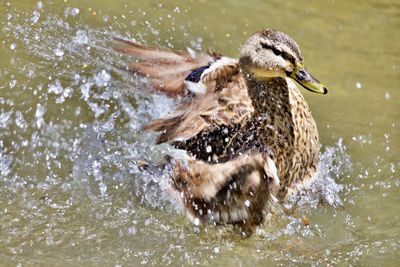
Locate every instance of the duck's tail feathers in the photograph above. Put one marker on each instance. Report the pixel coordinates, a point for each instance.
(166, 69)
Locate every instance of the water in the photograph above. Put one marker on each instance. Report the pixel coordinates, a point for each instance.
(72, 190)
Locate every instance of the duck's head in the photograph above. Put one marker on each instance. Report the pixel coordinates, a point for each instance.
(271, 53)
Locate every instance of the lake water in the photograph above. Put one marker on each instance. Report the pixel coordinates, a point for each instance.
(71, 189)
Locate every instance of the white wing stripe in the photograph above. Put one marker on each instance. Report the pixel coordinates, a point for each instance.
(223, 61)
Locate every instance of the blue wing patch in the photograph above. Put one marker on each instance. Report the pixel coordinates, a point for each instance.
(195, 75)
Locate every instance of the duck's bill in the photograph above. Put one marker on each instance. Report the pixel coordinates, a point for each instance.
(303, 77)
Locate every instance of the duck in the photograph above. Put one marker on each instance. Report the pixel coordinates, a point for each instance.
(248, 136)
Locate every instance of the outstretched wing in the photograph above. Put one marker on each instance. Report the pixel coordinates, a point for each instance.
(220, 103)
(216, 101)
(166, 69)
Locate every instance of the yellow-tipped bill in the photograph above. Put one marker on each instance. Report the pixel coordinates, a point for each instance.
(303, 77)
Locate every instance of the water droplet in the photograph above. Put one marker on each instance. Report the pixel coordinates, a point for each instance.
(74, 12)
(56, 88)
(68, 92)
(102, 78)
(20, 120)
(102, 188)
(5, 119)
(35, 18)
(40, 111)
(12, 83)
(39, 5)
(132, 230)
(58, 52)
(81, 37)
(85, 90)
(358, 85)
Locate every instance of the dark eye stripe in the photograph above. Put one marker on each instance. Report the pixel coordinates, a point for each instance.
(277, 52)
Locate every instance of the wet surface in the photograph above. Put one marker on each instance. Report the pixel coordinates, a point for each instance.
(72, 190)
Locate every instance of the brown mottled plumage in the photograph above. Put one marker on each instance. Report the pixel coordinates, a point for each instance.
(247, 128)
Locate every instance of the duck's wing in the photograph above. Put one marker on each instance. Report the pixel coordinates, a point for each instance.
(236, 191)
(166, 69)
(219, 102)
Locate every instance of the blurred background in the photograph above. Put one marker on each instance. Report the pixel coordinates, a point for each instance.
(71, 146)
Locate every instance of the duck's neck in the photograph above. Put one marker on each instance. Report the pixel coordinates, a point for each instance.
(270, 97)
(286, 128)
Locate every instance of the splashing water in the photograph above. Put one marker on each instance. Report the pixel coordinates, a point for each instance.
(334, 162)
(107, 153)
(72, 154)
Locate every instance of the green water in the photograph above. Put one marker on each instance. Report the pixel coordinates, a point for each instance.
(71, 192)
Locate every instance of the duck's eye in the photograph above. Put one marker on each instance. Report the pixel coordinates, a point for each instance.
(272, 48)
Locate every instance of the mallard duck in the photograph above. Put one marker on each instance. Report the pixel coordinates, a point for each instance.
(247, 130)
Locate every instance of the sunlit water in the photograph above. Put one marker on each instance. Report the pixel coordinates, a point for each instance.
(72, 191)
